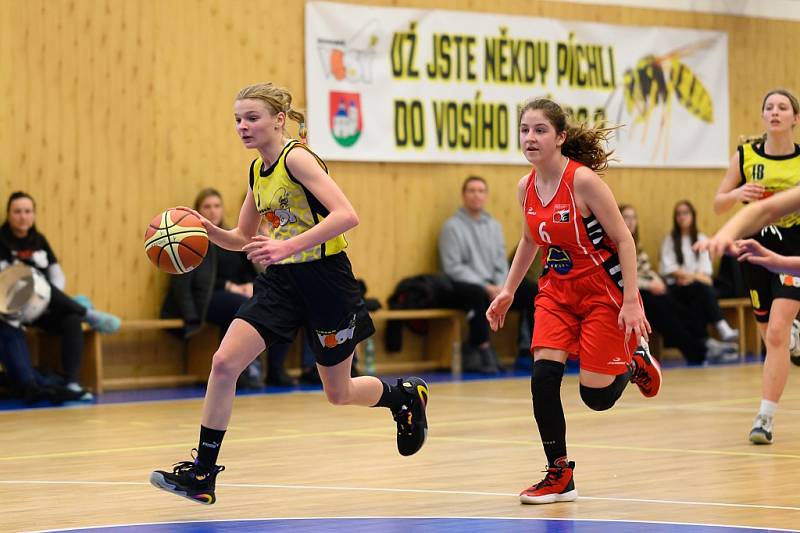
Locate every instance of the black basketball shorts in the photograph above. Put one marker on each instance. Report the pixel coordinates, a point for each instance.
(322, 296)
(766, 286)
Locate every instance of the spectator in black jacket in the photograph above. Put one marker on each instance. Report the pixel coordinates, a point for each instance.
(21, 242)
(214, 291)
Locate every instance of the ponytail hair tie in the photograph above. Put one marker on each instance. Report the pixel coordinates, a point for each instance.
(303, 133)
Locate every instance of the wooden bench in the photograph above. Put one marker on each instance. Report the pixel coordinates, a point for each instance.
(442, 349)
(442, 344)
(46, 349)
(738, 312)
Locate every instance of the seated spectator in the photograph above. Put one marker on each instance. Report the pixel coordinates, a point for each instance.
(472, 253)
(214, 291)
(24, 381)
(688, 272)
(20, 241)
(667, 316)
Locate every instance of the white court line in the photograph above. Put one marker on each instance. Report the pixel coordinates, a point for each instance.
(333, 518)
(413, 491)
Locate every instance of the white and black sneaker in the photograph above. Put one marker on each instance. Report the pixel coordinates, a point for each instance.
(762, 429)
(794, 342)
(721, 352)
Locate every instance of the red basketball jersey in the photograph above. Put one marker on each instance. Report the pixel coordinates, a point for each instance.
(572, 246)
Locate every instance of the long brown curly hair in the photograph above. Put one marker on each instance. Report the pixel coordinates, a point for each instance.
(583, 144)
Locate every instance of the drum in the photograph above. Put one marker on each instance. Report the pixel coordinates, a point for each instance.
(24, 293)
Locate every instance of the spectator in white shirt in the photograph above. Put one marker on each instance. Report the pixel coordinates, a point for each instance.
(688, 273)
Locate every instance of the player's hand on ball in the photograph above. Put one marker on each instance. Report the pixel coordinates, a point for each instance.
(265, 251)
(206, 223)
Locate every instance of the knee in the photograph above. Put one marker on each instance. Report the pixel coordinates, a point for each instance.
(546, 375)
(777, 337)
(339, 395)
(223, 366)
(599, 399)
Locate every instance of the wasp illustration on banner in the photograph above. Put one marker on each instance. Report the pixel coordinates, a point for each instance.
(653, 82)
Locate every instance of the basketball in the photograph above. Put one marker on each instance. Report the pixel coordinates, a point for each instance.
(176, 241)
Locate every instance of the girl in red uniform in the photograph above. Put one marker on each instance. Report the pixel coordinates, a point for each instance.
(588, 304)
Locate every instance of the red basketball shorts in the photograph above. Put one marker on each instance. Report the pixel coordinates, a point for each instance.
(580, 316)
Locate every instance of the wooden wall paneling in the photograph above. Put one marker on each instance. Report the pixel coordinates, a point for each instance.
(116, 111)
(7, 54)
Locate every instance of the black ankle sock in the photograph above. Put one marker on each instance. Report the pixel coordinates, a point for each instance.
(208, 449)
(547, 408)
(393, 397)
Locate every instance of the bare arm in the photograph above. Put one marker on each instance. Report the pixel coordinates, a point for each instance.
(730, 192)
(341, 215)
(526, 249)
(753, 252)
(750, 219)
(526, 252)
(759, 214)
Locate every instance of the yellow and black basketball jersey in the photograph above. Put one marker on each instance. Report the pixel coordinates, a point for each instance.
(775, 172)
(288, 206)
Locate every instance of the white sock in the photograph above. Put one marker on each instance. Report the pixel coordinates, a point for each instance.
(767, 408)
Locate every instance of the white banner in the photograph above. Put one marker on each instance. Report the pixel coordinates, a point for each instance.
(410, 85)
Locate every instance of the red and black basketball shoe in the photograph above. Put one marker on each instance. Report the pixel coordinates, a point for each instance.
(557, 485)
(190, 480)
(412, 422)
(645, 371)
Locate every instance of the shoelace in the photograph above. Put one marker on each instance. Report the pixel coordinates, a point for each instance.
(404, 419)
(761, 422)
(183, 467)
(554, 473)
(192, 467)
(640, 376)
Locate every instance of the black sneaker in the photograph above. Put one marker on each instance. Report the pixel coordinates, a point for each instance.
(190, 480)
(412, 424)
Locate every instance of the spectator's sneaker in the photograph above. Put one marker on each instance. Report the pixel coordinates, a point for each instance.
(190, 480)
(78, 392)
(470, 358)
(557, 486)
(412, 423)
(84, 301)
(762, 430)
(645, 371)
(731, 335)
(101, 321)
(721, 352)
(794, 342)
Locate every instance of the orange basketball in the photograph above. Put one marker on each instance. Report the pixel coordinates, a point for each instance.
(176, 241)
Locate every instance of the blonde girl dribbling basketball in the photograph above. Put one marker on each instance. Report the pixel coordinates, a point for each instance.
(308, 283)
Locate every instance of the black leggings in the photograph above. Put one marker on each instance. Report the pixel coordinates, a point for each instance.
(63, 318)
(680, 325)
(700, 299)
